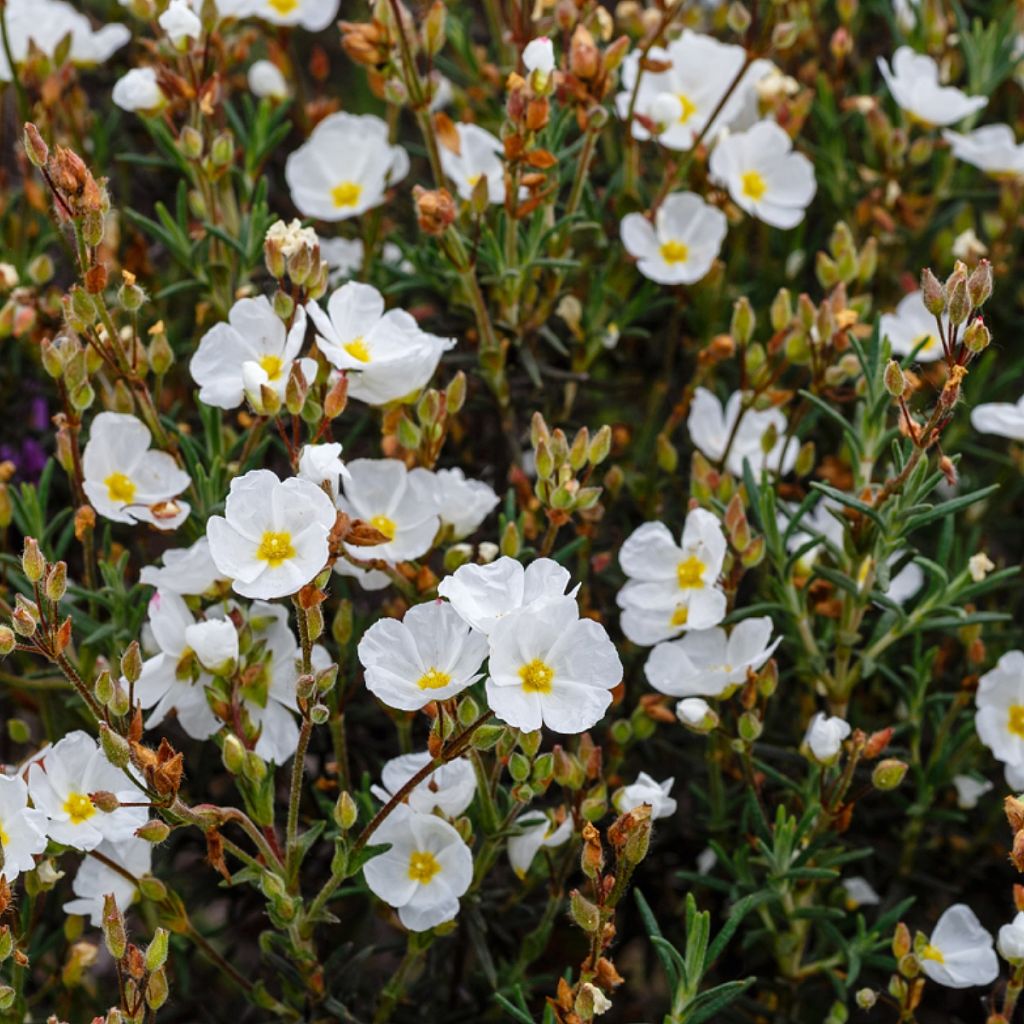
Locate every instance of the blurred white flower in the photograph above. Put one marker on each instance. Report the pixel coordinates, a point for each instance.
(959, 952)
(448, 789)
(539, 55)
(291, 236)
(992, 148)
(647, 790)
(913, 327)
(979, 566)
(1005, 419)
(187, 571)
(859, 892)
(969, 790)
(913, 80)
(180, 23)
(532, 832)
(825, 737)
(1000, 702)
(22, 828)
(1010, 941)
(321, 463)
(312, 15)
(479, 156)
(95, 879)
(138, 90)
(265, 79)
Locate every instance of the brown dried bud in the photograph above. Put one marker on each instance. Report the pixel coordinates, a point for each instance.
(584, 56)
(35, 148)
(435, 209)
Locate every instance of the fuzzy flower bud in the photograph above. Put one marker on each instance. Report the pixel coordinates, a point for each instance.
(932, 293)
(979, 284)
(895, 382)
(33, 561)
(958, 302)
(977, 336)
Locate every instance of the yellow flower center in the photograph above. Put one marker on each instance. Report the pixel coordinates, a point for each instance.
(348, 192)
(283, 6)
(120, 488)
(79, 807)
(385, 526)
(423, 866)
(680, 615)
(1015, 722)
(689, 108)
(537, 676)
(275, 548)
(272, 366)
(927, 342)
(433, 679)
(4, 837)
(358, 349)
(473, 179)
(674, 252)
(754, 185)
(931, 953)
(690, 573)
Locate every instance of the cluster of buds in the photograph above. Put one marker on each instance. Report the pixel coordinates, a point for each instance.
(35, 623)
(421, 428)
(844, 261)
(141, 972)
(591, 72)
(20, 312)
(906, 986)
(292, 257)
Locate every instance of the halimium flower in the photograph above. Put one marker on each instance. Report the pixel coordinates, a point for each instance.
(448, 789)
(763, 174)
(321, 464)
(1005, 419)
(59, 783)
(187, 571)
(126, 481)
(139, 90)
(423, 874)
(647, 790)
(312, 15)
(681, 244)
(825, 737)
(95, 879)
(272, 539)
(386, 354)
(265, 79)
(22, 828)
(345, 167)
(550, 667)
(462, 504)
(859, 892)
(993, 149)
(479, 156)
(913, 80)
(1000, 703)
(252, 350)
(484, 594)
(713, 429)
(672, 587)
(969, 790)
(1010, 941)
(959, 951)
(429, 655)
(707, 662)
(180, 23)
(912, 328)
(534, 831)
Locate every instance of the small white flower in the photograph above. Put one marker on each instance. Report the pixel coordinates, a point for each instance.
(344, 256)
(187, 571)
(763, 174)
(1010, 942)
(859, 893)
(138, 90)
(706, 861)
(484, 594)
(448, 789)
(535, 830)
(1000, 703)
(94, 879)
(479, 156)
(550, 667)
(22, 828)
(59, 783)
(424, 873)
(707, 662)
(696, 713)
(312, 15)
(913, 327)
(913, 81)
(386, 354)
(968, 246)
(599, 1002)
(825, 737)
(672, 587)
(993, 149)
(713, 429)
(272, 539)
(681, 244)
(979, 566)
(253, 348)
(321, 463)
(647, 790)
(969, 790)
(345, 167)
(291, 236)
(265, 79)
(1004, 419)
(462, 504)
(398, 503)
(180, 23)
(959, 953)
(539, 55)
(127, 482)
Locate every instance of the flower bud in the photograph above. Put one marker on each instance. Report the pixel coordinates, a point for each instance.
(888, 774)
(895, 382)
(743, 321)
(156, 953)
(119, 700)
(233, 754)
(866, 998)
(583, 912)
(115, 746)
(33, 561)
(222, 151)
(35, 148)
(7, 640)
(24, 622)
(346, 811)
(154, 831)
(979, 284)
(932, 293)
(958, 302)
(976, 337)
(56, 581)
(114, 935)
(131, 662)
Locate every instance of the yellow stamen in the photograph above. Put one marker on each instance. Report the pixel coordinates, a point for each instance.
(346, 194)
(4, 837)
(1016, 720)
(473, 179)
(536, 676)
(674, 252)
(689, 108)
(927, 342)
(754, 185)
(385, 526)
(690, 573)
(680, 616)
(79, 807)
(358, 349)
(275, 548)
(433, 679)
(283, 6)
(120, 488)
(931, 953)
(272, 366)
(423, 866)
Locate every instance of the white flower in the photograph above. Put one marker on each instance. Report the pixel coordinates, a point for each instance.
(539, 55)
(60, 782)
(312, 15)
(429, 655)
(22, 828)
(763, 174)
(272, 539)
(265, 79)
(993, 149)
(550, 667)
(180, 23)
(969, 790)
(535, 830)
(344, 256)
(681, 244)
(448, 789)
(368, 579)
(959, 953)
(168, 682)
(321, 463)
(484, 594)
(1010, 942)
(682, 99)
(913, 81)
(912, 326)
(647, 790)
(696, 713)
(344, 168)
(859, 892)
(713, 429)
(94, 879)
(479, 156)
(290, 237)
(462, 504)
(672, 587)
(187, 571)
(139, 90)
(1000, 702)
(706, 861)
(253, 348)
(398, 503)
(825, 736)
(127, 482)
(386, 354)
(979, 566)
(968, 246)
(706, 662)
(424, 873)
(1005, 419)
